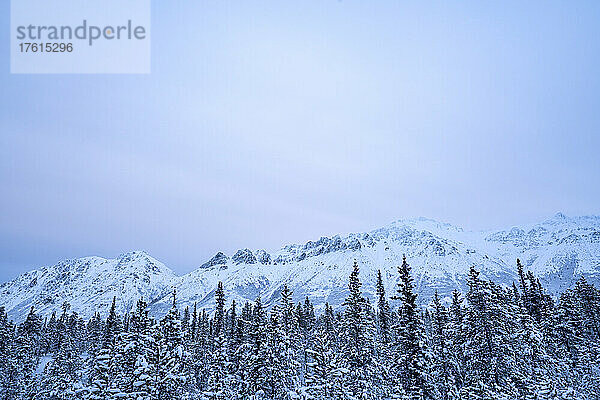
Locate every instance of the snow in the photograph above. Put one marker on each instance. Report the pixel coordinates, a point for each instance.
(42, 364)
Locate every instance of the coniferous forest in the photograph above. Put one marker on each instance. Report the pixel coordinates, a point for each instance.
(491, 342)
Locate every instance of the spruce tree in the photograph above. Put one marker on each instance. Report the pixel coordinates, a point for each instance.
(132, 355)
(288, 345)
(103, 367)
(219, 319)
(443, 380)
(383, 312)
(255, 379)
(457, 339)
(325, 378)
(358, 346)
(409, 353)
(219, 380)
(25, 355)
(171, 367)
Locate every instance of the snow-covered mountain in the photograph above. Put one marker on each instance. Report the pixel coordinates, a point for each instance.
(558, 250)
(88, 284)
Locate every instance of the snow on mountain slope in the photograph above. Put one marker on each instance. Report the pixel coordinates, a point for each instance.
(558, 250)
(87, 284)
(320, 269)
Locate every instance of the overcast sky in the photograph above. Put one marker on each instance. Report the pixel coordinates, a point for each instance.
(267, 123)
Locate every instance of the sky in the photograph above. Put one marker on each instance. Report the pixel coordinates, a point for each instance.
(268, 123)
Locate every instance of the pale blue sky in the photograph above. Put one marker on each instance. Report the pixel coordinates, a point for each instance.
(265, 123)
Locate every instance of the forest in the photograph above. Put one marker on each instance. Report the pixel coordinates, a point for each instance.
(491, 342)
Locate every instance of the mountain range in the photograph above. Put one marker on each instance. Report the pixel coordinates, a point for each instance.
(558, 251)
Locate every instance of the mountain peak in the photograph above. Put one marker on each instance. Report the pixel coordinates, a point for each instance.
(134, 254)
(560, 219)
(560, 215)
(425, 224)
(219, 259)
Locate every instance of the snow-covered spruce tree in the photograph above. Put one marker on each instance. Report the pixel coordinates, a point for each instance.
(546, 389)
(358, 345)
(100, 377)
(491, 326)
(25, 356)
(193, 328)
(130, 366)
(93, 332)
(185, 322)
(50, 339)
(103, 366)
(383, 317)
(443, 380)
(325, 374)
(235, 338)
(409, 355)
(141, 329)
(219, 319)
(62, 325)
(197, 346)
(589, 305)
(577, 335)
(306, 322)
(219, 380)
(257, 382)
(529, 354)
(31, 327)
(8, 368)
(383, 312)
(330, 326)
(170, 357)
(456, 339)
(244, 349)
(288, 347)
(523, 286)
(76, 329)
(480, 349)
(219, 377)
(195, 352)
(309, 316)
(328, 317)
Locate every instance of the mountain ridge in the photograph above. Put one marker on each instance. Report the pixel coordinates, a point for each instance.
(558, 250)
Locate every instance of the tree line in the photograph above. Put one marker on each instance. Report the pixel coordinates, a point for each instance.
(492, 342)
